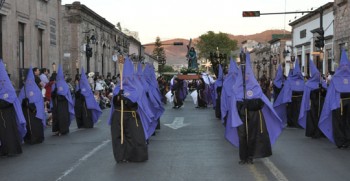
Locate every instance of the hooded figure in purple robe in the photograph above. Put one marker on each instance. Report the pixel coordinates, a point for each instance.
(335, 116)
(278, 82)
(218, 88)
(312, 102)
(288, 102)
(153, 92)
(257, 124)
(11, 135)
(33, 110)
(227, 91)
(131, 120)
(62, 105)
(87, 110)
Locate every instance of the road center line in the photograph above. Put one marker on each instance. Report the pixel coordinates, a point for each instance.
(274, 170)
(82, 159)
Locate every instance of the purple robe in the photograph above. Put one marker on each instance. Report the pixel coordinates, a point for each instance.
(338, 84)
(311, 84)
(253, 90)
(85, 90)
(227, 90)
(63, 90)
(135, 93)
(8, 94)
(294, 82)
(31, 91)
(279, 79)
(153, 90)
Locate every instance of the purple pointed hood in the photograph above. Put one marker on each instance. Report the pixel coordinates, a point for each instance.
(134, 91)
(219, 81)
(253, 90)
(340, 83)
(315, 78)
(63, 90)
(8, 94)
(31, 91)
(312, 84)
(86, 91)
(279, 79)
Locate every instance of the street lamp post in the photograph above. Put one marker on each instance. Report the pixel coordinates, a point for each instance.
(264, 62)
(274, 62)
(88, 49)
(217, 59)
(258, 67)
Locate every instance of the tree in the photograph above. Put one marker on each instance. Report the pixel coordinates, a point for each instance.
(168, 68)
(210, 41)
(159, 52)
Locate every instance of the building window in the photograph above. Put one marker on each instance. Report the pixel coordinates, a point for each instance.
(21, 44)
(302, 33)
(40, 47)
(329, 59)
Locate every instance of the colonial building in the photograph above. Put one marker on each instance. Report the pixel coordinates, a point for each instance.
(280, 53)
(341, 27)
(305, 31)
(90, 41)
(30, 35)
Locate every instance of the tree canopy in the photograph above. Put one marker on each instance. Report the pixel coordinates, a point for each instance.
(159, 52)
(210, 41)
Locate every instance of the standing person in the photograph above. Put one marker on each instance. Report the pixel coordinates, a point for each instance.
(128, 123)
(201, 96)
(218, 88)
(227, 93)
(335, 116)
(62, 105)
(12, 121)
(150, 79)
(257, 124)
(177, 92)
(87, 110)
(38, 81)
(91, 80)
(278, 82)
(312, 103)
(265, 85)
(33, 110)
(288, 102)
(44, 73)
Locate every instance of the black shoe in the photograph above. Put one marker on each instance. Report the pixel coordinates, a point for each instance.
(242, 162)
(197, 107)
(250, 161)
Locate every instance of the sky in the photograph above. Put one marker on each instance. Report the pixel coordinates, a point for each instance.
(187, 19)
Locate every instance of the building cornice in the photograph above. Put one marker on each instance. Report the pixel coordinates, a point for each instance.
(311, 14)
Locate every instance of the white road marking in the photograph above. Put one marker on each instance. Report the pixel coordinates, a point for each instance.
(177, 123)
(274, 170)
(82, 159)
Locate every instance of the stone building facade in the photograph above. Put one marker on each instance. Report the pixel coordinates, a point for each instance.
(30, 35)
(341, 27)
(84, 28)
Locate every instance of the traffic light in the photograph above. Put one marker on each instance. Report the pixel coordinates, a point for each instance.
(251, 13)
(319, 42)
(88, 51)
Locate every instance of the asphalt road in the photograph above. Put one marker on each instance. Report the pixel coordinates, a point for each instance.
(190, 146)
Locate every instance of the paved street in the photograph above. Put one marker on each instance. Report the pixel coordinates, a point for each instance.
(189, 146)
